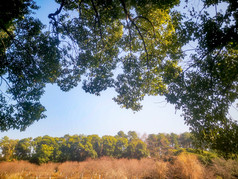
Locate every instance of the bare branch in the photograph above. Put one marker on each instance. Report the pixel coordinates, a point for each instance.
(187, 50)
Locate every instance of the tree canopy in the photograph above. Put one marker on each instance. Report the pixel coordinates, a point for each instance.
(135, 47)
(207, 87)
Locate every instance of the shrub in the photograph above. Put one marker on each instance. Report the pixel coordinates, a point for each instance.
(227, 169)
(187, 166)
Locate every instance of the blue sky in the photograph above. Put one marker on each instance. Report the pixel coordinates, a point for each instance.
(77, 112)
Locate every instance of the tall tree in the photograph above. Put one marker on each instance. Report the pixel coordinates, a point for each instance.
(185, 140)
(87, 150)
(152, 145)
(120, 134)
(8, 148)
(163, 144)
(120, 147)
(44, 149)
(73, 148)
(132, 135)
(23, 149)
(108, 143)
(174, 140)
(29, 59)
(96, 142)
(136, 149)
(207, 87)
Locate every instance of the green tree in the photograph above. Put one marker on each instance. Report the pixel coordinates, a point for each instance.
(121, 134)
(108, 143)
(120, 147)
(185, 140)
(57, 152)
(96, 141)
(136, 149)
(45, 149)
(29, 59)
(132, 135)
(152, 145)
(23, 149)
(163, 144)
(64, 149)
(9, 13)
(87, 150)
(8, 148)
(174, 140)
(71, 148)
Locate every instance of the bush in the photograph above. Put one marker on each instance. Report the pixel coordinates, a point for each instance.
(227, 169)
(205, 157)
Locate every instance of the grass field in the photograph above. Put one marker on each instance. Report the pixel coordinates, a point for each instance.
(184, 166)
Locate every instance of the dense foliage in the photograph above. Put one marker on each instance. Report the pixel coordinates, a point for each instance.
(132, 46)
(80, 147)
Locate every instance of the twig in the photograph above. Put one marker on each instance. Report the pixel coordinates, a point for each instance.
(5, 82)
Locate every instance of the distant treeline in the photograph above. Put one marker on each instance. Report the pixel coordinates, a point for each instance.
(79, 147)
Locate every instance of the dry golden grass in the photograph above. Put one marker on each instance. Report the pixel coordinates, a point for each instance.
(21, 168)
(185, 166)
(101, 168)
(162, 169)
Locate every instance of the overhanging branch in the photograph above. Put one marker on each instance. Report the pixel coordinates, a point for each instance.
(137, 28)
(52, 15)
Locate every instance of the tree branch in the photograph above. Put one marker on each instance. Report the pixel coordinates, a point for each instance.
(5, 81)
(98, 20)
(129, 29)
(137, 28)
(52, 15)
(142, 17)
